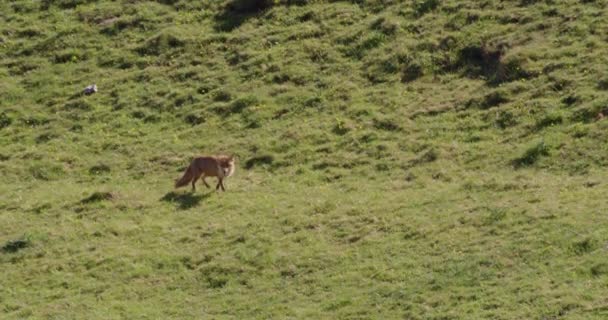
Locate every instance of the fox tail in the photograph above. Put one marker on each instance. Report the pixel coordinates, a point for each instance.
(186, 178)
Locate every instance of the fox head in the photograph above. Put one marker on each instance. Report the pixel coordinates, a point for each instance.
(228, 165)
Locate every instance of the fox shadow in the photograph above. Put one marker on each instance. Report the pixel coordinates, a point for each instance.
(185, 201)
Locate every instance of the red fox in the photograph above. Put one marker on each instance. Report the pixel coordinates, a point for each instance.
(212, 166)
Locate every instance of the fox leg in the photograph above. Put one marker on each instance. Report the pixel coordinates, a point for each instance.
(220, 183)
(205, 182)
(196, 176)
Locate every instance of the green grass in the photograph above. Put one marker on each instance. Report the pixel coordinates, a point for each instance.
(396, 159)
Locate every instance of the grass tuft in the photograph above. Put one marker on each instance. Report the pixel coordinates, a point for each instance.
(583, 246)
(98, 197)
(532, 155)
(259, 161)
(99, 169)
(161, 43)
(14, 246)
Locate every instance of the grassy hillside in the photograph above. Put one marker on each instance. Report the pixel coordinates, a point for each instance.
(417, 159)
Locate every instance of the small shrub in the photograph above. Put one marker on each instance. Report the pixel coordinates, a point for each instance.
(317, 53)
(25, 7)
(46, 171)
(579, 130)
(217, 282)
(98, 196)
(69, 56)
(428, 156)
(560, 84)
(599, 269)
(160, 44)
(13, 246)
(29, 32)
(386, 124)
(409, 177)
(584, 114)
(182, 100)
(584, 246)
(388, 66)
(570, 100)
(495, 216)
(308, 16)
(22, 67)
(510, 69)
(194, 119)
(152, 118)
(531, 155)
(240, 104)
(205, 88)
(254, 6)
(45, 137)
(5, 120)
(313, 102)
(324, 207)
(78, 105)
(99, 169)
(249, 6)
(382, 167)
(385, 26)
(35, 121)
(252, 119)
(63, 4)
(603, 84)
(280, 78)
(341, 127)
(482, 61)
(368, 137)
(590, 112)
(488, 101)
(138, 114)
(123, 23)
(472, 138)
(441, 176)
(477, 60)
(422, 7)
(505, 119)
(524, 3)
(580, 167)
(374, 40)
(168, 2)
(548, 120)
(411, 72)
(259, 160)
(115, 60)
(494, 99)
(221, 96)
